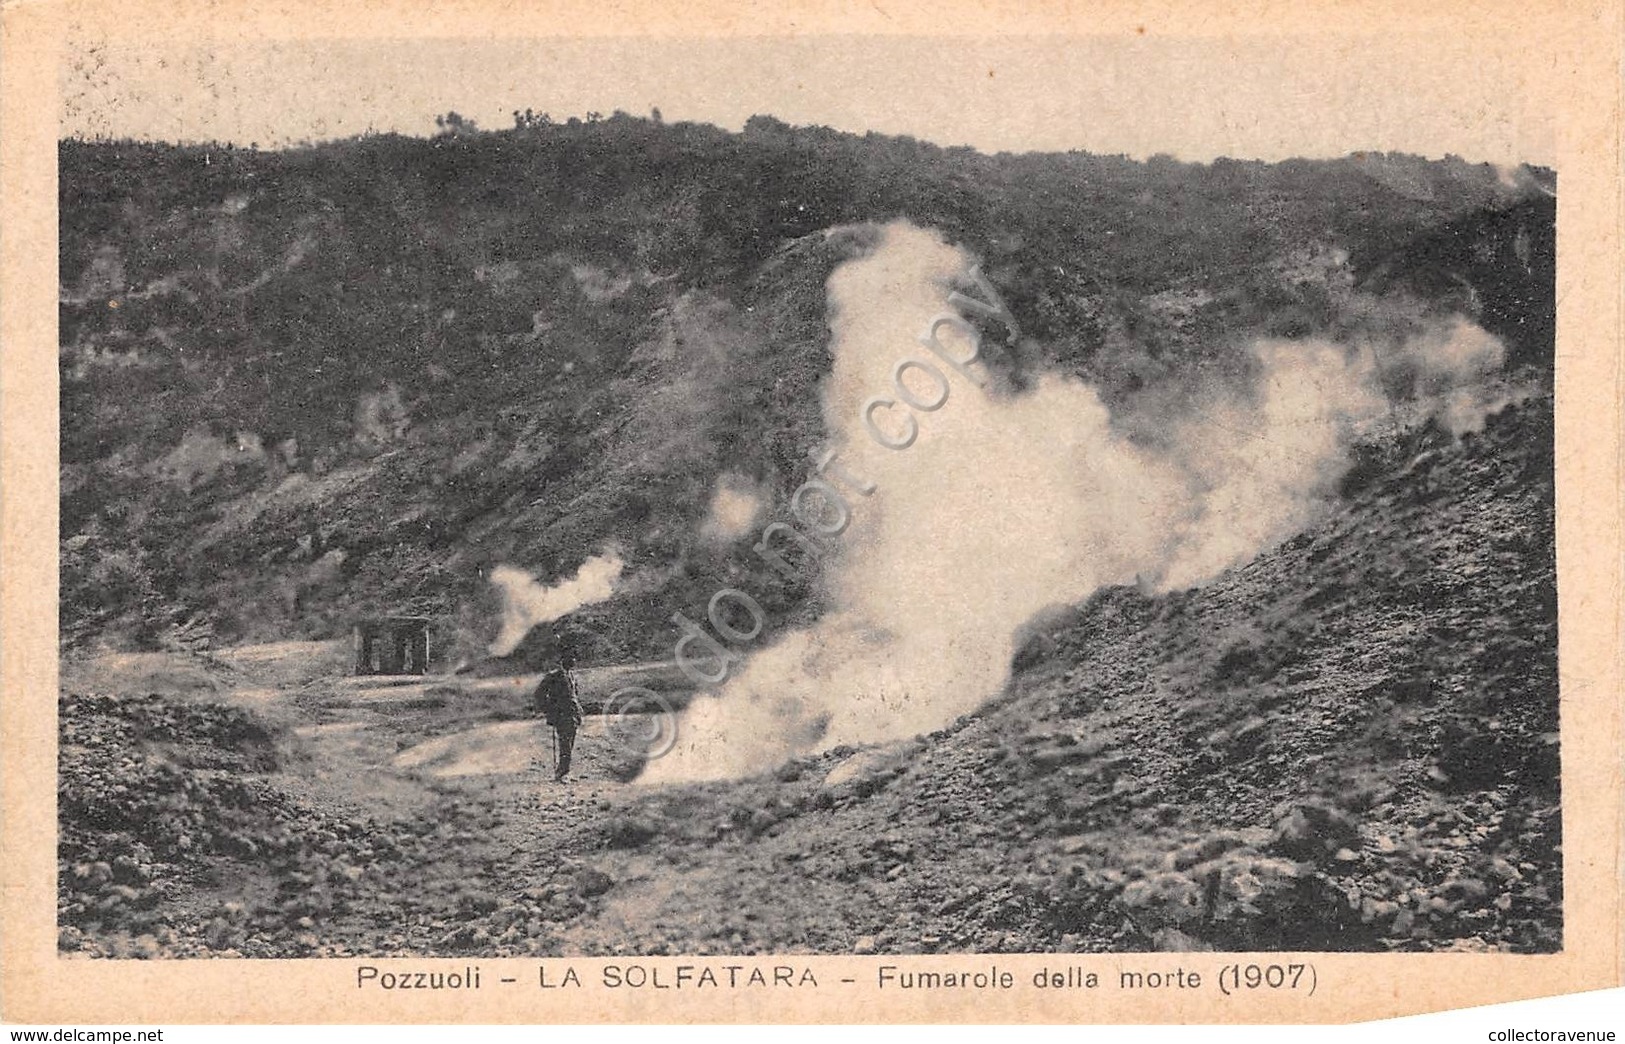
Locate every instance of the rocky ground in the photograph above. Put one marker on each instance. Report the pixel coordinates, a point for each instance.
(1348, 744)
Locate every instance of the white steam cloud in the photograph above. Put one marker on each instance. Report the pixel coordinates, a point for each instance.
(734, 509)
(526, 603)
(1007, 504)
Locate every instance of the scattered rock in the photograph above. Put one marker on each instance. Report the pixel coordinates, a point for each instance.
(593, 882)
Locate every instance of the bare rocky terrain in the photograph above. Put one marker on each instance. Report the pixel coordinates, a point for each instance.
(308, 386)
(1350, 743)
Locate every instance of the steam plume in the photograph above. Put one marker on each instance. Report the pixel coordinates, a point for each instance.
(735, 507)
(1008, 504)
(526, 603)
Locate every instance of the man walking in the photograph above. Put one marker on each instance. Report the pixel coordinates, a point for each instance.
(557, 702)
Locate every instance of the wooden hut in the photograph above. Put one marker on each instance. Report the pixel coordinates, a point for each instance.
(392, 645)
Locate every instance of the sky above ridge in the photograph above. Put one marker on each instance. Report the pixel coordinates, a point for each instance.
(1194, 98)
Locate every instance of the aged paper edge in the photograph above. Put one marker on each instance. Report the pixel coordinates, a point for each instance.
(1568, 53)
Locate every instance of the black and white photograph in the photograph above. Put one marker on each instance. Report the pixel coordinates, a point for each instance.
(592, 497)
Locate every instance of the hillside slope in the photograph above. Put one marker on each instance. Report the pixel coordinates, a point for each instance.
(303, 386)
(1349, 743)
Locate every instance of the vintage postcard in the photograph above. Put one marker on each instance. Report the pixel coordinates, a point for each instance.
(809, 513)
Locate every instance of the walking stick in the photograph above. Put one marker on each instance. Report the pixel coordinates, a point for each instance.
(555, 733)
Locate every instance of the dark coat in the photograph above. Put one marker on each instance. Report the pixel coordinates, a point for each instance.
(556, 700)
